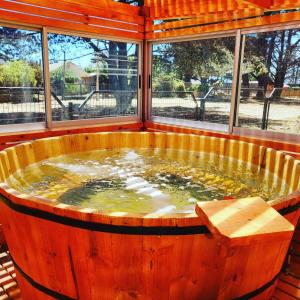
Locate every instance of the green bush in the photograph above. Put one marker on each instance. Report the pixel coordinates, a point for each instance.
(17, 74)
(164, 84)
(179, 88)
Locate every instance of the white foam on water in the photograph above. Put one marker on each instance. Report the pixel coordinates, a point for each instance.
(165, 210)
(144, 187)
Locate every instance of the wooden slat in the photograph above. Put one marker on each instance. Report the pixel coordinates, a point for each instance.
(285, 4)
(70, 17)
(65, 24)
(266, 20)
(164, 9)
(265, 4)
(289, 289)
(275, 144)
(109, 5)
(8, 140)
(206, 18)
(86, 10)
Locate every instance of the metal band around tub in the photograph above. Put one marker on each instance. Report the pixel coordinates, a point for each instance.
(118, 229)
(40, 287)
(101, 227)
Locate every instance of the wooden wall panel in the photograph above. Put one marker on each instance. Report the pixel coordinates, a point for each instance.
(103, 18)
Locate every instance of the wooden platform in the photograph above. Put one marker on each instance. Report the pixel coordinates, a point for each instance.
(8, 285)
(288, 287)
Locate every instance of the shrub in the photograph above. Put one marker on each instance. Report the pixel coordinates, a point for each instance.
(179, 88)
(17, 74)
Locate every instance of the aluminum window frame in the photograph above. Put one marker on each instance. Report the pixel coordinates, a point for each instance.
(48, 123)
(105, 119)
(253, 132)
(224, 128)
(32, 126)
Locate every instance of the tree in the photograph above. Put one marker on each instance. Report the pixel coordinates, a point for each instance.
(17, 74)
(207, 61)
(118, 59)
(273, 56)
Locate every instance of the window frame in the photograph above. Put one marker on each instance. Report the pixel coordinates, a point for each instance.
(238, 58)
(48, 123)
(32, 126)
(224, 128)
(253, 132)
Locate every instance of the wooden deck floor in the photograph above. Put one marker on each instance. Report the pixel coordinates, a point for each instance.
(8, 285)
(288, 287)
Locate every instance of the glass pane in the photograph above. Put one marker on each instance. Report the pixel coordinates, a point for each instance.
(192, 80)
(92, 78)
(22, 97)
(270, 81)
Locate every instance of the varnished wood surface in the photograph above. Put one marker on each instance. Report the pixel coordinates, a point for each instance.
(288, 286)
(261, 158)
(83, 263)
(190, 17)
(244, 221)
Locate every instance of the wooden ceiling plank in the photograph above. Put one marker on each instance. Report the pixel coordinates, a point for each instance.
(231, 25)
(84, 28)
(264, 4)
(188, 8)
(86, 10)
(206, 18)
(285, 4)
(66, 16)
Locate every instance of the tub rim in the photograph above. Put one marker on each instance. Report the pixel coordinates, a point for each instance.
(290, 202)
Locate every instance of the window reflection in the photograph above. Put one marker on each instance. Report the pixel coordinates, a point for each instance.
(193, 79)
(22, 97)
(270, 81)
(92, 78)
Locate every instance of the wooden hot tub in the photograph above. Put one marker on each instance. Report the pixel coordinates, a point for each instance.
(62, 252)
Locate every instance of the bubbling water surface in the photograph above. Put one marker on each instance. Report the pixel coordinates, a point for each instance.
(142, 181)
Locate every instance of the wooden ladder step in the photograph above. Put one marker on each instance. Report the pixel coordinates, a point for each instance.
(289, 289)
(290, 279)
(294, 267)
(281, 295)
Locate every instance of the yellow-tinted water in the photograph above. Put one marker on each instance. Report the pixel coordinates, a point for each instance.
(140, 181)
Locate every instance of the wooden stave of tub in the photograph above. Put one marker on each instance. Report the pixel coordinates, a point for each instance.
(82, 260)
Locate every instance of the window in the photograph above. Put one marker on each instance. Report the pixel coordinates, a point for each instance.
(92, 78)
(193, 80)
(22, 98)
(269, 96)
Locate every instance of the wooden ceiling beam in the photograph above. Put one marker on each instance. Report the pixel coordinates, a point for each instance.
(69, 17)
(285, 4)
(230, 25)
(263, 4)
(69, 6)
(206, 19)
(67, 25)
(167, 9)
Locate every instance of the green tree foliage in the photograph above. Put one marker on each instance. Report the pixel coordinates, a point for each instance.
(206, 61)
(18, 73)
(58, 75)
(202, 60)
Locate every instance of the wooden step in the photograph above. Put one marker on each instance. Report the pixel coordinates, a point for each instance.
(294, 268)
(289, 289)
(295, 259)
(281, 295)
(295, 248)
(288, 278)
